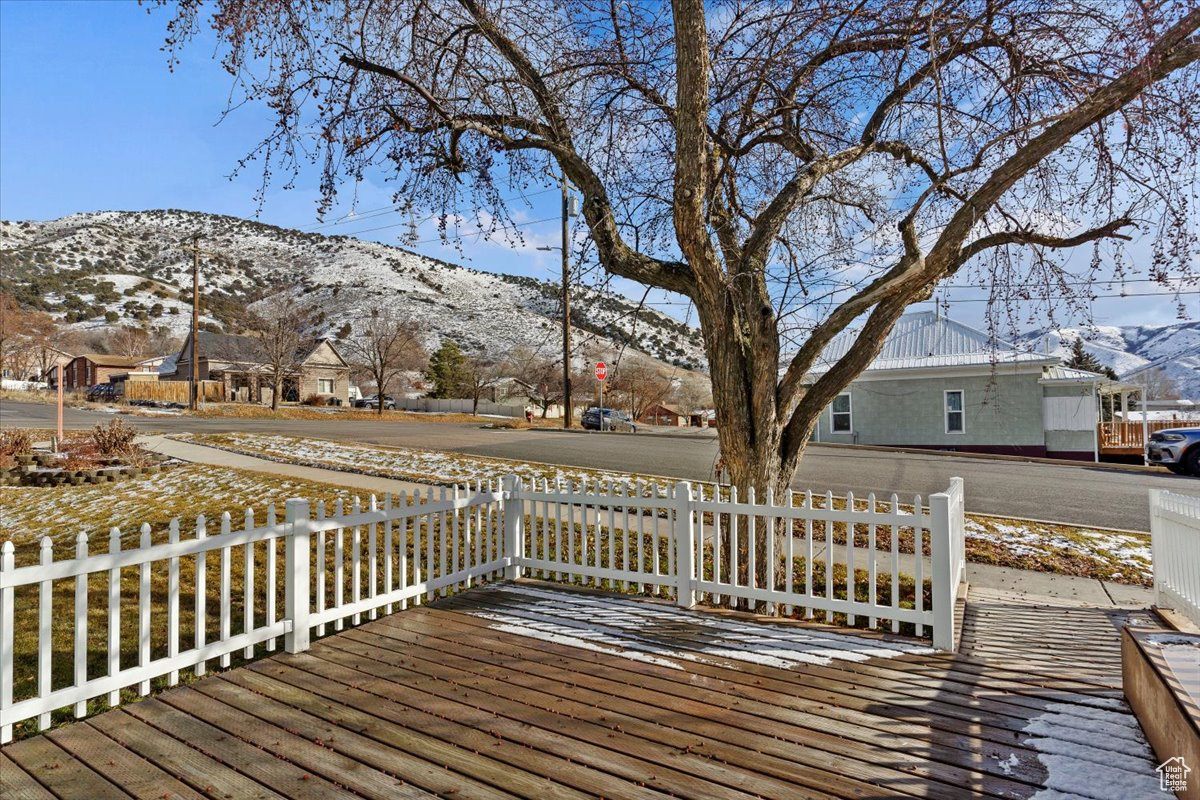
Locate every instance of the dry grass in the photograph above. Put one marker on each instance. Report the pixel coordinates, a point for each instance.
(250, 411)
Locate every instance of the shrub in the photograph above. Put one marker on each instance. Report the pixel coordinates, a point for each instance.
(115, 439)
(314, 400)
(15, 442)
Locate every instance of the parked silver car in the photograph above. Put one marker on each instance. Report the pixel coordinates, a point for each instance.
(1177, 449)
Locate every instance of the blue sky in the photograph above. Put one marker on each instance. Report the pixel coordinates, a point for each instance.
(92, 119)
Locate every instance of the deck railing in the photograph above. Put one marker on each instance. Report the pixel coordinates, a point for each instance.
(1131, 435)
(170, 604)
(1175, 542)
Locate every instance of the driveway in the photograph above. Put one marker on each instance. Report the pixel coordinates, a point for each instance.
(1075, 494)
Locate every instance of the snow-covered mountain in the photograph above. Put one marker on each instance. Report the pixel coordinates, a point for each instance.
(1174, 348)
(115, 267)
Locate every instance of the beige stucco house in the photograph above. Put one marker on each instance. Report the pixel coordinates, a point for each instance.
(237, 363)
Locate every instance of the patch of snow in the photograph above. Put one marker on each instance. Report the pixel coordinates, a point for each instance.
(1108, 761)
(630, 627)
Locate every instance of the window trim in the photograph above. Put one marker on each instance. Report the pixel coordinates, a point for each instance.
(946, 410)
(848, 413)
(332, 385)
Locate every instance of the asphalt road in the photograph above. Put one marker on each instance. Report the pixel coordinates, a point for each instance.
(1082, 495)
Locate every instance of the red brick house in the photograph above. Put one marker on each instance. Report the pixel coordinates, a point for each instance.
(89, 369)
(664, 414)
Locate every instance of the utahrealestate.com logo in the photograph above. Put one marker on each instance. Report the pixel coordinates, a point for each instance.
(1173, 775)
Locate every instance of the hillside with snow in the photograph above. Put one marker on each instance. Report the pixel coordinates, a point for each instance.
(104, 269)
(1175, 349)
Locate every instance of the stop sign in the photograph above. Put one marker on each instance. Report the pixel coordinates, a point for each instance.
(601, 370)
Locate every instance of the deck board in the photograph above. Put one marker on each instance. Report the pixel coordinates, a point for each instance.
(523, 690)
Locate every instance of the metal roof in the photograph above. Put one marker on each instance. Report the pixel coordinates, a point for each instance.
(1071, 375)
(927, 340)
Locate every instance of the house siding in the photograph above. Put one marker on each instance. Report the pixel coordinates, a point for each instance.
(1075, 444)
(1003, 413)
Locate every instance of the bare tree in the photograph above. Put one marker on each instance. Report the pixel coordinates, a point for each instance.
(1159, 385)
(280, 330)
(384, 346)
(540, 376)
(26, 338)
(483, 373)
(128, 341)
(638, 387)
(692, 394)
(797, 171)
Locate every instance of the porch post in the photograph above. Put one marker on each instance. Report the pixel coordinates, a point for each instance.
(1096, 422)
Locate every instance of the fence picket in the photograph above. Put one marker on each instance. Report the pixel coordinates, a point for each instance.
(404, 503)
(226, 588)
(373, 556)
(828, 528)
(45, 601)
(144, 612)
(896, 558)
(81, 622)
(851, 583)
(272, 568)
(320, 567)
(770, 548)
(428, 524)
(114, 614)
(7, 636)
(173, 602)
(919, 569)
(441, 526)
(790, 554)
(871, 567)
(808, 553)
(339, 566)
(387, 550)
(735, 545)
(356, 561)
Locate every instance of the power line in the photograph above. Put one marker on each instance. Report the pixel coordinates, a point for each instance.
(381, 211)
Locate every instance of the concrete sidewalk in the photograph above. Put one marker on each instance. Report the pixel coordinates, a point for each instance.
(212, 456)
(1085, 591)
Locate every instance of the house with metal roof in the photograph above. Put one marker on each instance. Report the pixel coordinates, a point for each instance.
(940, 384)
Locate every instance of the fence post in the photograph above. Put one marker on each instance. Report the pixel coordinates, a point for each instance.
(685, 547)
(297, 574)
(7, 564)
(945, 589)
(1157, 546)
(512, 510)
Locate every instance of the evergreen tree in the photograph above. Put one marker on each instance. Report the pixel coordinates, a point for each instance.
(1082, 359)
(448, 372)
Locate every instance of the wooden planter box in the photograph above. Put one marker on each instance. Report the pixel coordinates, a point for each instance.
(1160, 697)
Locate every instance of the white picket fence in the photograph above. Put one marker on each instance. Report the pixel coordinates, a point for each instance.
(1175, 543)
(698, 544)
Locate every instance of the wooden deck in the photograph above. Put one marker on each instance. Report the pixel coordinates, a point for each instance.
(525, 691)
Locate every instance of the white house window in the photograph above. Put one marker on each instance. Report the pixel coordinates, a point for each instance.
(324, 385)
(955, 417)
(840, 414)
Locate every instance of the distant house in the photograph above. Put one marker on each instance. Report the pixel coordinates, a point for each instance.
(89, 369)
(236, 362)
(943, 385)
(665, 414)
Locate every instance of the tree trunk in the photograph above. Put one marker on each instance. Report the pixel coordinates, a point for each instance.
(275, 395)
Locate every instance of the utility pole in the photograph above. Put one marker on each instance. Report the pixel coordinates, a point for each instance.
(568, 211)
(194, 396)
(566, 302)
